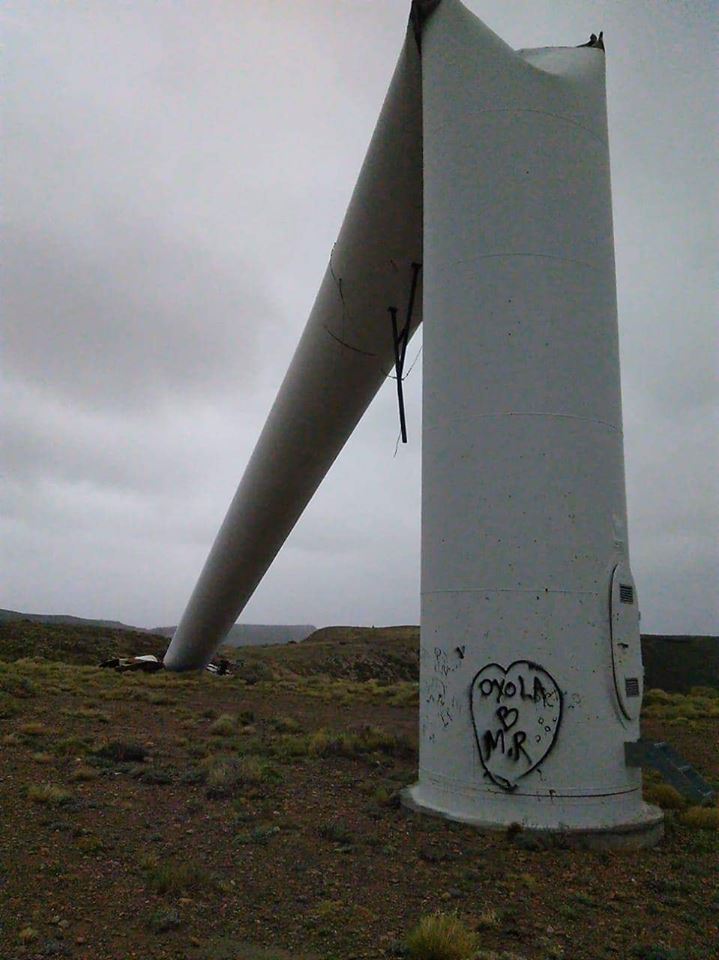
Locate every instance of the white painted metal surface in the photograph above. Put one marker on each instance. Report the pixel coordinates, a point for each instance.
(343, 358)
(523, 513)
(524, 706)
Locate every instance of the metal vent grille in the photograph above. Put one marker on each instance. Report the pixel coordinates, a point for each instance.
(626, 593)
(631, 686)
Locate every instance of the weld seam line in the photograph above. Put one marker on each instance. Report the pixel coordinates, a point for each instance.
(535, 590)
(543, 113)
(539, 256)
(519, 413)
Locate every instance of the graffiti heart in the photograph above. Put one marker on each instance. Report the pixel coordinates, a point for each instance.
(516, 714)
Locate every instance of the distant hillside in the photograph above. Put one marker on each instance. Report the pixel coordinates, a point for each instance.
(73, 642)
(676, 663)
(671, 663)
(7, 616)
(257, 634)
(241, 635)
(343, 635)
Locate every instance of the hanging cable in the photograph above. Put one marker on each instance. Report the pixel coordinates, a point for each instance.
(400, 339)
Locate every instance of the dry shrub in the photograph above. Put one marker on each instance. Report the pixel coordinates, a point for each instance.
(90, 845)
(325, 743)
(82, 774)
(441, 936)
(226, 774)
(285, 725)
(33, 729)
(664, 796)
(489, 919)
(224, 726)
(702, 818)
(87, 712)
(48, 793)
(175, 878)
(15, 684)
(70, 746)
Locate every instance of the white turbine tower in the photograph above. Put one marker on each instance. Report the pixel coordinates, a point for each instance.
(489, 168)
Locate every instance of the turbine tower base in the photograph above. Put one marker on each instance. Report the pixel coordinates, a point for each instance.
(643, 828)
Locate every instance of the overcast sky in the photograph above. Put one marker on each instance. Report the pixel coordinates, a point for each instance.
(175, 176)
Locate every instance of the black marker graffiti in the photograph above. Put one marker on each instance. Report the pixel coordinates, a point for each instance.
(516, 714)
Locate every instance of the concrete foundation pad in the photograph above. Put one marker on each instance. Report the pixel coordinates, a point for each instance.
(646, 831)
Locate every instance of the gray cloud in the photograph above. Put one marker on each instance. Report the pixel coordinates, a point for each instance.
(127, 321)
(175, 176)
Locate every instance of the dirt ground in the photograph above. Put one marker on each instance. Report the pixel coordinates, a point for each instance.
(156, 816)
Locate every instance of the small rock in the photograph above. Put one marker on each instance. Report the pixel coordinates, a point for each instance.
(54, 948)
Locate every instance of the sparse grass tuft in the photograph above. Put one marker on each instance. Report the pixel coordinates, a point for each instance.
(71, 746)
(385, 797)
(224, 726)
(405, 693)
(225, 774)
(291, 746)
(700, 703)
(324, 743)
(8, 707)
(48, 793)
(441, 936)
(82, 774)
(285, 725)
(90, 845)
(664, 796)
(34, 729)
(17, 685)
(175, 878)
(337, 832)
(260, 835)
(701, 818)
(87, 713)
(489, 920)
